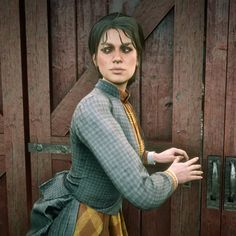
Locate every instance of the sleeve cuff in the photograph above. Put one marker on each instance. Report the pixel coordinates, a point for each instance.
(174, 178)
(150, 159)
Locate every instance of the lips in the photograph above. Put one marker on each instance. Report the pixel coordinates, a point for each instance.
(117, 70)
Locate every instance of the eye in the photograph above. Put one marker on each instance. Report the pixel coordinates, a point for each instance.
(106, 50)
(126, 49)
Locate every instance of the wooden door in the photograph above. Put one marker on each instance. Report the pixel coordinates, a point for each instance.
(46, 67)
(218, 198)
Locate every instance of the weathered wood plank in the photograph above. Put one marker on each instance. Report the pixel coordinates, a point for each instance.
(38, 88)
(3, 205)
(2, 146)
(187, 108)
(62, 48)
(1, 123)
(150, 13)
(229, 217)
(214, 107)
(157, 79)
(14, 138)
(61, 116)
(60, 164)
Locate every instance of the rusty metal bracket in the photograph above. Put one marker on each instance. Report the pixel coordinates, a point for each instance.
(49, 148)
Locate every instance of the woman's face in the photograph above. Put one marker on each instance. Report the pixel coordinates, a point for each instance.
(116, 58)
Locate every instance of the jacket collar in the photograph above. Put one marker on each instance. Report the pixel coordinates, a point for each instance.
(111, 89)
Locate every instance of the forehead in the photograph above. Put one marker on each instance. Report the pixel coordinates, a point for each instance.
(115, 36)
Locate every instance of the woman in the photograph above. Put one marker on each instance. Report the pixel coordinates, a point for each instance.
(107, 148)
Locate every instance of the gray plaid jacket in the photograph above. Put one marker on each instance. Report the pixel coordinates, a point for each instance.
(105, 167)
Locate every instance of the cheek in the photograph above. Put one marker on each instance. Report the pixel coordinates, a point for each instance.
(102, 62)
(133, 62)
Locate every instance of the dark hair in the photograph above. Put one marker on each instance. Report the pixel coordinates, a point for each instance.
(127, 24)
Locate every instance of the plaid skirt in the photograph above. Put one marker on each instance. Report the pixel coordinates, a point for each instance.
(93, 223)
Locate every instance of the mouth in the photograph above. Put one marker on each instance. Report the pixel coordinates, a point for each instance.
(117, 70)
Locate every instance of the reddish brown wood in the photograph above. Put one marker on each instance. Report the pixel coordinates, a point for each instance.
(228, 227)
(2, 146)
(61, 116)
(38, 88)
(14, 138)
(3, 205)
(187, 108)
(157, 79)
(1, 124)
(150, 13)
(132, 218)
(157, 222)
(214, 107)
(61, 164)
(157, 73)
(63, 48)
(2, 164)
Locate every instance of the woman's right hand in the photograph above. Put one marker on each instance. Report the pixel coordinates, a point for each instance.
(186, 171)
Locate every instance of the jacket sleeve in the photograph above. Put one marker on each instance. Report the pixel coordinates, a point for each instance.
(97, 128)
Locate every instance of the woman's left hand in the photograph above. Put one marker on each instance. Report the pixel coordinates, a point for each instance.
(170, 155)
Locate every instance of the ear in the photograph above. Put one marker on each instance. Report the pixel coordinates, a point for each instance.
(94, 60)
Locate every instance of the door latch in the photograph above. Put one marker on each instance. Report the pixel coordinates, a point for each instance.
(213, 182)
(230, 184)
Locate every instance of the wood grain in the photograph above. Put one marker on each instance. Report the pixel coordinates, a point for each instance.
(214, 105)
(187, 108)
(62, 35)
(14, 137)
(229, 216)
(38, 88)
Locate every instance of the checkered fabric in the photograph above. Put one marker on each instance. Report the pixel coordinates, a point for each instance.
(105, 150)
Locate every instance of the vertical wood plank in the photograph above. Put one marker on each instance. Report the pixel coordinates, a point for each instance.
(14, 138)
(38, 88)
(62, 48)
(187, 108)
(3, 205)
(229, 217)
(214, 106)
(157, 79)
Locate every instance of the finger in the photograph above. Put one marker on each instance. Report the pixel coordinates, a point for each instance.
(195, 167)
(192, 161)
(196, 177)
(177, 159)
(180, 157)
(197, 172)
(182, 153)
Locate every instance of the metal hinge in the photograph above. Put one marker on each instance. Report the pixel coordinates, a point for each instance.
(49, 148)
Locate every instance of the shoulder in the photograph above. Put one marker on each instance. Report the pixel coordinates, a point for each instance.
(95, 101)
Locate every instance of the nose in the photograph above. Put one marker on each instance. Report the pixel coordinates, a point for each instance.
(117, 58)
